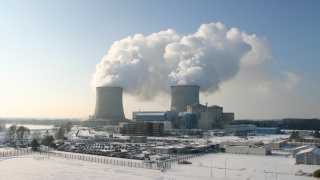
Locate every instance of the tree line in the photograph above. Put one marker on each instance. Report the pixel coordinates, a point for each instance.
(288, 123)
(19, 134)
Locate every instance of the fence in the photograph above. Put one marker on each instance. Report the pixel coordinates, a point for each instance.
(260, 155)
(16, 152)
(156, 165)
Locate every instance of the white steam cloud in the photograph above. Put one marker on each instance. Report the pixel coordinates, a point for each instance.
(147, 65)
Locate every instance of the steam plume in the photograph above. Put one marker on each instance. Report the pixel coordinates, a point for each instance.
(147, 65)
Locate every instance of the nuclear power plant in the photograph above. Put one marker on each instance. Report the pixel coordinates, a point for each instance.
(186, 112)
(109, 108)
(183, 96)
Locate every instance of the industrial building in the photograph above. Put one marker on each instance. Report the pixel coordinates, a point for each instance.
(109, 108)
(309, 156)
(300, 148)
(241, 143)
(241, 129)
(267, 130)
(146, 129)
(210, 117)
(276, 144)
(153, 116)
(185, 111)
(248, 150)
(311, 140)
(304, 133)
(185, 121)
(149, 116)
(245, 147)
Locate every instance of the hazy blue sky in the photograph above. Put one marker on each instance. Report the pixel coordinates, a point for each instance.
(49, 51)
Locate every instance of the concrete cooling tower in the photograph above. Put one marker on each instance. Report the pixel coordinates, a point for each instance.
(108, 109)
(108, 103)
(183, 96)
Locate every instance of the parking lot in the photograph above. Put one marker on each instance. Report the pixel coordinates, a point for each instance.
(118, 150)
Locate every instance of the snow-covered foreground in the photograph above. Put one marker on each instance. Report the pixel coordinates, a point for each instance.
(238, 167)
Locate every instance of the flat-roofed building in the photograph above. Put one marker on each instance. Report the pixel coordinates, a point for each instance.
(248, 150)
(150, 116)
(146, 129)
(268, 130)
(241, 143)
(277, 144)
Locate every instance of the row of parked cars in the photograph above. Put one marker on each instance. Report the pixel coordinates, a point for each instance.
(104, 149)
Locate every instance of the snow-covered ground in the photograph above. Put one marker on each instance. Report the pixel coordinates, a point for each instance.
(237, 167)
(211, 166)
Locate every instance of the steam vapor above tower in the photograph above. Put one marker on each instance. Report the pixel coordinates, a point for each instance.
(147, 66)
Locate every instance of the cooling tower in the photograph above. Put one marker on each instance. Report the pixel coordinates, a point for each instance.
(109, 103)
(183, 96)
(109, 108)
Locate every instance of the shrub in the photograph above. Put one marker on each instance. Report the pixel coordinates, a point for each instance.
(316, 173)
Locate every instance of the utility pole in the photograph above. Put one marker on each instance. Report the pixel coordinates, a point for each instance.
(276, 172)
(211, 167)
(225, 168)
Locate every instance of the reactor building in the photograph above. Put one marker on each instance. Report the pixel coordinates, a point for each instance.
(109, 108)
(186, 112)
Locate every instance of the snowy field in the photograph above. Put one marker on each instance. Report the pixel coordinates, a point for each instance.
(237, 167)
(211, 166)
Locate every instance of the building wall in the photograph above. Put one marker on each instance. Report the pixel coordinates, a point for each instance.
(247, 150)
(146, 129)
(241, 143)
(308, 158)
(277, 144)
(216, 113)
(150, 115)
(298, 149)
(228, 118)
(206, 121)
(161, 150)
(304, 133)
(261, 130)
(231, 128)
(196, 109)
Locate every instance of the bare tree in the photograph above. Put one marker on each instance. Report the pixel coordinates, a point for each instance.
(10, 134)
(22, 133)
(38, 135)
(2, 126)
(60, 133)
(68, 126)
(54, 130)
